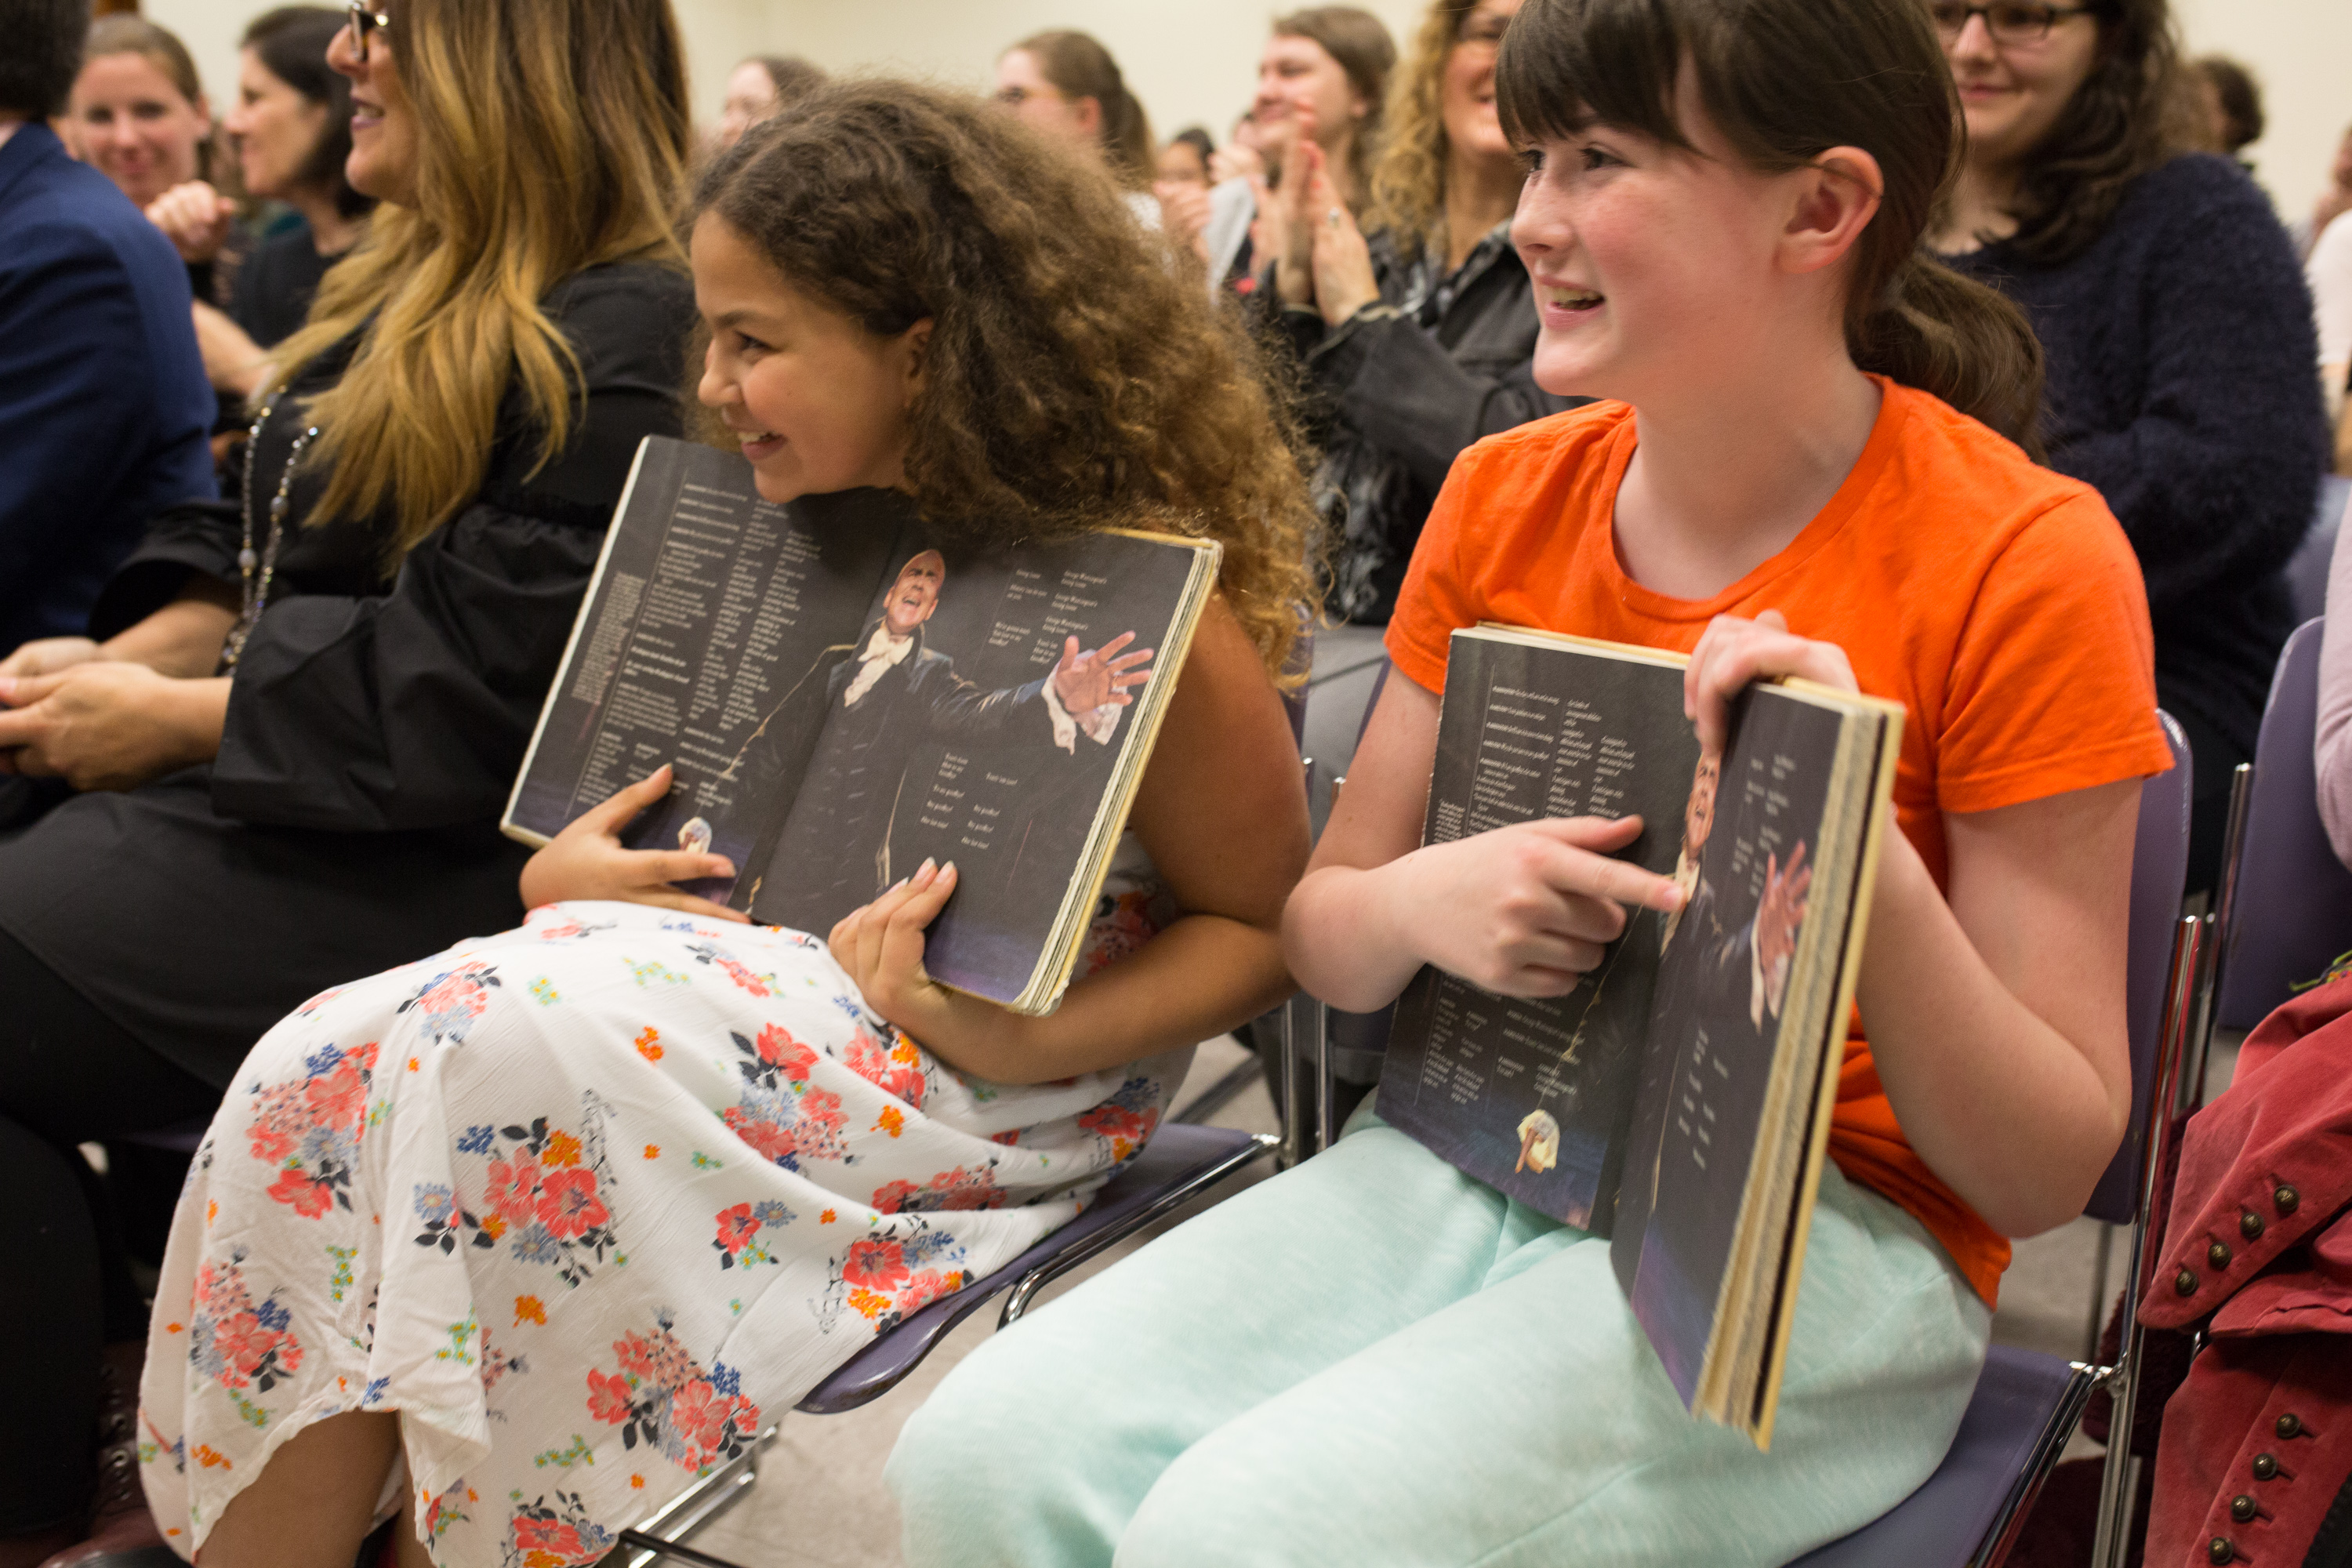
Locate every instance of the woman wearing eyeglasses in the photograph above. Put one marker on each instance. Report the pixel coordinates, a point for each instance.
(292, 743)
(2179, 334)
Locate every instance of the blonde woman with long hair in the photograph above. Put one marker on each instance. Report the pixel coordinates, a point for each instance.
(1419, 338)
(283, 763)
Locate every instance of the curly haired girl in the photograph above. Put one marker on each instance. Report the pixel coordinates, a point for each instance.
(568, 1214)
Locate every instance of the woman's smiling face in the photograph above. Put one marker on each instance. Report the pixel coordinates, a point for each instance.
(817, 402)
(132, 121)
(274, 126)
(2013, 94)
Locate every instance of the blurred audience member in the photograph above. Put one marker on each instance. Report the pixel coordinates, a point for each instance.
(297, 741)
(1323, 79)
(139, 117)
(1184, 157)
(1182, 187)
(2334, 202)
(2229, 104)
(102, 403)
(1239, 158)
(760, 86)
(2179, 340)
(1422, 340)
(291, 130)
(1066, 85)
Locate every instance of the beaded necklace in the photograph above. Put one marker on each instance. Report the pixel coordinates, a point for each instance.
(259, 570)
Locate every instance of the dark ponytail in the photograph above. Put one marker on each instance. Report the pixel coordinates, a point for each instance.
(1785, 80)
(1079, 66)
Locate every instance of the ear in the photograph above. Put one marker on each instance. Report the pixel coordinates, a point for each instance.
(1088, 114)
(917, 341)
(1835, 196)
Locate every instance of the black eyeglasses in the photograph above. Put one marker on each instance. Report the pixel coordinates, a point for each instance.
(363, 21)
(2009, 21)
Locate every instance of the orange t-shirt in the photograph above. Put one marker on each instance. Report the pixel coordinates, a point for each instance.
(1998, 602)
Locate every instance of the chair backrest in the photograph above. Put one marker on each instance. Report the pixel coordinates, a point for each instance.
(2159, 875)
(2306, 571)
(2290, 899)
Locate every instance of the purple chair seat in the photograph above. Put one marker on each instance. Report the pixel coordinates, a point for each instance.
(1180, 1162)
(2021, 1398)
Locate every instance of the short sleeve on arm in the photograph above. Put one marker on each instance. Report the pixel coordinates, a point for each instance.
(2053, 683)
(1438, 595)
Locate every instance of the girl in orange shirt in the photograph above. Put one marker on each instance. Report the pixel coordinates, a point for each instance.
(1376, 1359)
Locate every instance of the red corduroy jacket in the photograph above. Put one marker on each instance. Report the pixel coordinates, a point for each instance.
(2258, 1441)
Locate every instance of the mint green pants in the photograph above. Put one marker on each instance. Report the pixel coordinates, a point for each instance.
(1375, 1360)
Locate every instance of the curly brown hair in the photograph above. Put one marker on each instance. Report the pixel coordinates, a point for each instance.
(1074, 379)
(2124, 120)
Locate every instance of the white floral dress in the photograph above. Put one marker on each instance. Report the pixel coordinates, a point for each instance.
(590, 1203)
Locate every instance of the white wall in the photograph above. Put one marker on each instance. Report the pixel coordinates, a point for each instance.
(1194, 60)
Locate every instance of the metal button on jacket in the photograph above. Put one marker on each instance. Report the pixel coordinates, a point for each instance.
(2218, 1255)
(2249, 1225)
(2286, 1199)
(2242, 1507)
(2290, 1425)
(2265, 1466)
(2219, 1550)
(2185, 1283)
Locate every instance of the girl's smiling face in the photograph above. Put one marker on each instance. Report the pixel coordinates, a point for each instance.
(818, 403)
(1650, 262)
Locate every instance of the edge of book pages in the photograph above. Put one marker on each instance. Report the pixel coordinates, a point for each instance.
(506, 824)
(1747, 1353)
(1050, 977)
(1739, 1381)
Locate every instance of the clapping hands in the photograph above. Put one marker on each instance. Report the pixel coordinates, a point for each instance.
(1321, 259)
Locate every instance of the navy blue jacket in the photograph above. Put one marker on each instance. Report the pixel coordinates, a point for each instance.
(2180, 349)
(104, 407)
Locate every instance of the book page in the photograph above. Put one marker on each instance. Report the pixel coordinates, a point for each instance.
(1723, 988)
(1531, 1096)
(710, 606)
(939, 734)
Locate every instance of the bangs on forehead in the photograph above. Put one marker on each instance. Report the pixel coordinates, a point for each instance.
(1568, 65)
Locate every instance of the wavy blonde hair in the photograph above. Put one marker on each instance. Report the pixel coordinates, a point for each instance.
(1073, 379)
(552, 135)
(1407, 184)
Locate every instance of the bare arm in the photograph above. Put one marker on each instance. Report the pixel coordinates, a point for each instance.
(184, 638)
(1997, 1017)
(1222, 811)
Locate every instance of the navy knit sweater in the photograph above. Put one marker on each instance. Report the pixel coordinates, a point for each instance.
(2181, 385)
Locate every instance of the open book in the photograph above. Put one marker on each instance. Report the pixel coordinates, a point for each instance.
(843, 697)
(1678, 1100)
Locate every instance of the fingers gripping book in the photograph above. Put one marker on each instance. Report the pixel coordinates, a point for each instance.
(844, 694)
(1677, 1100)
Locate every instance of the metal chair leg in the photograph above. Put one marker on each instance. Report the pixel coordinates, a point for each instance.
(2108, 1544)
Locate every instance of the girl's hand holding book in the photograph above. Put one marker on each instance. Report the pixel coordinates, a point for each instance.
(586, 860)
(1525, 911)
(881, 947)
(1733, 652)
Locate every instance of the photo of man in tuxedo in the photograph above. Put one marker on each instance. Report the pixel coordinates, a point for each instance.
(848, 729)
